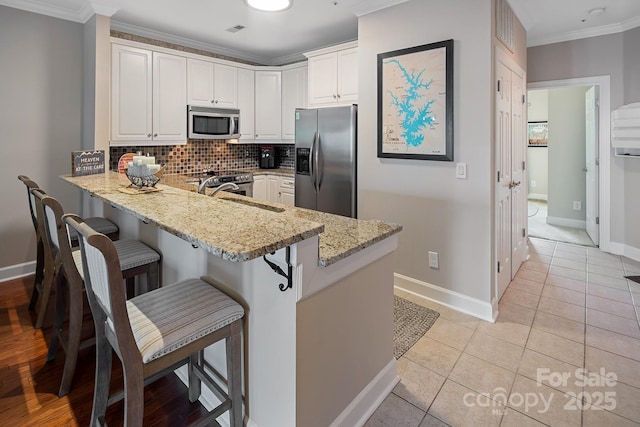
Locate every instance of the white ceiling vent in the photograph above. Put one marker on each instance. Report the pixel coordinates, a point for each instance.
(235, 29)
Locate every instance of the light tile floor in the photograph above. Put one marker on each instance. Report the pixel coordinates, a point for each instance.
(564, 351)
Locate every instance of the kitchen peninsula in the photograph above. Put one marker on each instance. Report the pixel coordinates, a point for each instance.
(320, 352)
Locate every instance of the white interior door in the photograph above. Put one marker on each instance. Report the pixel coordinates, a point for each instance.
(503, 176)
(591, 163)
(511, 194)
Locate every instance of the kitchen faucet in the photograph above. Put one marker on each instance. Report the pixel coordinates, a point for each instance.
(224, 186)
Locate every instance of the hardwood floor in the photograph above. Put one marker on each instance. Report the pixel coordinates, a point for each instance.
(29, 385)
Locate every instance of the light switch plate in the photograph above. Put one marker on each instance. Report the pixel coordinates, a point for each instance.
(461, 170)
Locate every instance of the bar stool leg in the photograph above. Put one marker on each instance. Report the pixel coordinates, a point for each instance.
(153, 277)
(58, 323)
(134, 394)
(234, 369)
(73, 339)
(47, 284)
(37, 282)
(194, 381)
(103, 372)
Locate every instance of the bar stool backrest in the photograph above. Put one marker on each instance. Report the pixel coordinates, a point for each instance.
(32, 203)
(103, 278)
(56, 232)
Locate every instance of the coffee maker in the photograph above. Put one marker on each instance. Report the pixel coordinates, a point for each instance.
(268, 157)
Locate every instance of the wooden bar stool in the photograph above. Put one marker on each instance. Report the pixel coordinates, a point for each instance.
(41, 288)
(135, 257)
(156, 332)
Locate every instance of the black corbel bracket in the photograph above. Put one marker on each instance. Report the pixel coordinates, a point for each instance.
(276, 268)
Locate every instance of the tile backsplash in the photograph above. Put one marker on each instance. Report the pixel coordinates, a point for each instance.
(199, 154)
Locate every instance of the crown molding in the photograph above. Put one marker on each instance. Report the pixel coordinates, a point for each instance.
(586, 33)
(184, 41)
(81, 15)
(365, 7)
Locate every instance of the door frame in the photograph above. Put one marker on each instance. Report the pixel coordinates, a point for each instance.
(604, 145)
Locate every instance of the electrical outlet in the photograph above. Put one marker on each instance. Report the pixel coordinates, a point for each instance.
(433, 260)
(533, 183)
(577, 206)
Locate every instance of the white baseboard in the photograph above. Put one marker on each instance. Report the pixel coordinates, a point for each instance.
(566, 222)
(356, 414)
(481, 309)
(536, 196)
(625, 250)
(368, 400)
(16, 271)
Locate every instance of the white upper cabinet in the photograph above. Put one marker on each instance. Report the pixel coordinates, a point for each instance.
(211, 84)
(333, 76)
(294, 95)
(169, 92)
(348, 75)
(148, 97)
(268, 119)
(246, 104)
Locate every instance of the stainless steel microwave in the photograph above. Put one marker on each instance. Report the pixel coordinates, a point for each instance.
(213, 123)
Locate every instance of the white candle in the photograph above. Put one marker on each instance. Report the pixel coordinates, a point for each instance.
(138, 160)
(149, 160)
(129, 164)
(153, 168)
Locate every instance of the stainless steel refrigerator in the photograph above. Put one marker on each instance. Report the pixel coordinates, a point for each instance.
(325, 149)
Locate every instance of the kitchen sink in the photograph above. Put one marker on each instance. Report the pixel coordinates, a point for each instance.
(256, 204)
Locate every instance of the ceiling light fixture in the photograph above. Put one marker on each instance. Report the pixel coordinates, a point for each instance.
(269, 5)
(597, 11)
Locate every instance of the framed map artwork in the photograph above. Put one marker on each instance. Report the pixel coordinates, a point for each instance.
(415, 102)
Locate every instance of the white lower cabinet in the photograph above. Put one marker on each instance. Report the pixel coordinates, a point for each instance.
(274, 188)
(260, 187)
(287, 191)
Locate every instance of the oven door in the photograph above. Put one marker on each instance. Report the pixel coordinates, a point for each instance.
(246, 189)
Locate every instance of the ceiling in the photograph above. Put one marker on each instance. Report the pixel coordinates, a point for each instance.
(281, 37)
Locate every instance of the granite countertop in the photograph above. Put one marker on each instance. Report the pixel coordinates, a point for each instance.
(233, 227)
(288, 172)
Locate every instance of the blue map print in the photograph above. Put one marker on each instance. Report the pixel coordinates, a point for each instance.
(414, 120)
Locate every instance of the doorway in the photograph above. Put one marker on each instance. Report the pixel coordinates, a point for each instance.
(596, 177)
(561, 158)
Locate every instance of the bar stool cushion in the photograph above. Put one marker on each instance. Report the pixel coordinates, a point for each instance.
(132, 253)
(175, 315)
(101, 225)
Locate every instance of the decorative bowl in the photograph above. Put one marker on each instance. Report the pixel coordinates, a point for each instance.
(141, 177)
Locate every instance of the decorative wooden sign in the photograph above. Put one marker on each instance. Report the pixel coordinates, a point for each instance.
(87, 162)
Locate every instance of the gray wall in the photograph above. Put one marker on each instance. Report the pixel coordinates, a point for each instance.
(40, 119)
(567, 152)
(438, 212)
(595, 56)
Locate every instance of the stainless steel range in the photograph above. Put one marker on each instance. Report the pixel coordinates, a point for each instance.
(213, 179)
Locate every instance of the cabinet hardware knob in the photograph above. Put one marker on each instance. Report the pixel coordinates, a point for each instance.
(155, 135)
(335, 97)
(338, 96)
(213, 101)
(148, 135)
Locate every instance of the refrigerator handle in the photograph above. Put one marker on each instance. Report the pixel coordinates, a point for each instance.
(319, 163)
(313, 161)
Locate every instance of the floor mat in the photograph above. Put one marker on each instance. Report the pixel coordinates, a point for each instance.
(410, 322)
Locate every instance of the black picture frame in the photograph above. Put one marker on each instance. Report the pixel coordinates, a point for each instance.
(415, 91)
(538, 134)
